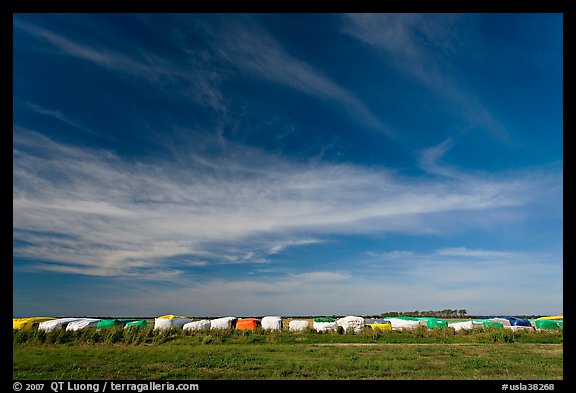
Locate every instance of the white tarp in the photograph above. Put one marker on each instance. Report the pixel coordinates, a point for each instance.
(516, 328)
(271, 323)
(505, 322)
(170, 321)
(204, 324)
(463, 325)
(222, 323)
(54, 324)
(82, 323)
(324, 326)
(398, 323)
(478, 324)
(351, 322)
(298, 325)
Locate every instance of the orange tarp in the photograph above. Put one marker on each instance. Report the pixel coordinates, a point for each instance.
(247, 324)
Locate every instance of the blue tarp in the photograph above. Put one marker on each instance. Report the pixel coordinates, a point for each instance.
(514, 321)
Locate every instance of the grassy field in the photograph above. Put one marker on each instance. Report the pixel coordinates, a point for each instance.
(118, 354)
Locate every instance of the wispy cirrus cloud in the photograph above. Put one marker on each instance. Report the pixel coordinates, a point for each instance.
(466, 252)
(254, 50)
(55, 114)
(280, 246)
(197, 75)
(100, 56)
(430, 159)
(91, 211)
(470, 266)
(420, 47)
(188, 76)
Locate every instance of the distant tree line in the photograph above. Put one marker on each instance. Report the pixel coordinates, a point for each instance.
(446, 313)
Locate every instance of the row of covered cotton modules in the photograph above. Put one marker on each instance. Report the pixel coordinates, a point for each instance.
(351, 324)
(504, 322)
(408, 323)
(48, 324)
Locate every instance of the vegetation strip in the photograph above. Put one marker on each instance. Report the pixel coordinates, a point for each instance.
(142, 353)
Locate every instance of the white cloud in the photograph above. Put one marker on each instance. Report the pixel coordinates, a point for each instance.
(280, 246)
(486, 288)
(476, 270)
(321, 276)
(466, 252)
(192, 78)
(251, 48)
(398, 254)
(420, 47)
(198, 74)
(95, 211)
(430, 159)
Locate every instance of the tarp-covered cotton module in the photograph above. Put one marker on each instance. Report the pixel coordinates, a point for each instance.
(552, 317)
(515, 328)
(109, 323)
(399, 324)
(82, 323)
(546, 324)
(435, 323)
(356, 324)
(140, 323)
(297, 325)
(29, 323)
(516, 321)
(55, 324)
(170, 321)
(323, 324)
(271, 323)
(247, 324)
(223, 323)
(463, 325)
(203, 324)
(503, 321)
(380, 324)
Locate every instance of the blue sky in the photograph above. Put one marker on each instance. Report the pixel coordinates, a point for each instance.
(287, 164)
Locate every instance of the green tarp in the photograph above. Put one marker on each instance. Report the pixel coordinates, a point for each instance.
(487, 323)
(137, 324)
(546, 324)
(108, 323)
(325, 319)
(431, 322)
(435, 323)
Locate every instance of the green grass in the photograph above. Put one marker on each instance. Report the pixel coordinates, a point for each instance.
(236, 355)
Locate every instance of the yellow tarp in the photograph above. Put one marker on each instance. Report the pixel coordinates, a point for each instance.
(171, 317)
(381, 326)
(28, 323)
(550, 318)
